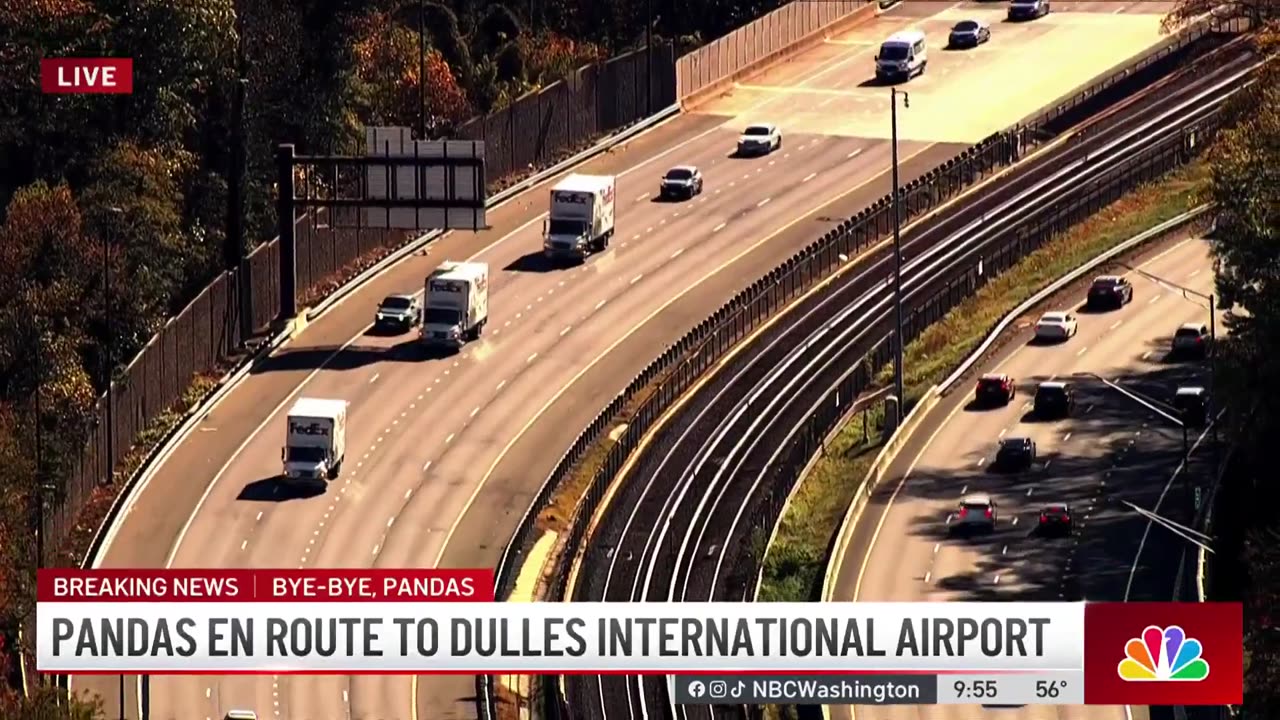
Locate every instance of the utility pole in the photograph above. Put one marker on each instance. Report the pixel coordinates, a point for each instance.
(108, 342)
(897, 253)
(239, 304)
(648, 57)
(422, 68)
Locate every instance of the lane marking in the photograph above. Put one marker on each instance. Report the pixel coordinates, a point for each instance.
(500, 386)
(475, 411)
(718, 228)
(636, 279)
(566, 330)
(1115, 324)
(809, 177)
(856, 153)
(600, 304)
(531, 358)
(1082, 351)
(763, 202)
(374, 378)
(677, 253)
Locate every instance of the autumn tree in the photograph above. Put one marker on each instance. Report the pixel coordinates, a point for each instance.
(389, 62)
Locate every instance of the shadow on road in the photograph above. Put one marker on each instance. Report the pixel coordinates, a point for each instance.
(275, 489)
(352, 357)
(534, 262)
(1119, 451)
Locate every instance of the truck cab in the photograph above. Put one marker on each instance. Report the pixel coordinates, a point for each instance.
(315, 440)
(580, 220)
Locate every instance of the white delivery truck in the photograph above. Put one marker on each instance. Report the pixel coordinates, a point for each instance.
(456, 305)
(581, 218)
(316, 440)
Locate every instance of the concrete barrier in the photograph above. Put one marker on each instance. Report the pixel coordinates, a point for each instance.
(875, 474)
(785, 32)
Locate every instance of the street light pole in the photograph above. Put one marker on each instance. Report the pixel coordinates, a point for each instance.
(422, 69)
(897, 252)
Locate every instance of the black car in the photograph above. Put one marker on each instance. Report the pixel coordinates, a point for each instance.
(1054, 399)
(994, 389)
(1109, 291)
(684, 181)
(1055, 519)
(1192, 404)
(1028, 9)
(969, 33)
(1016, 453)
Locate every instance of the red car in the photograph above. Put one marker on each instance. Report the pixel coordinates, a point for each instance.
(994, 389)
(1055, 519)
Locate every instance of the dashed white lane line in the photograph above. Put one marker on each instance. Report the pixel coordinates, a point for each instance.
(391, 520)
(1082, 351)
(763, 202)
(997, 582)
(500, 386)
(566, 330)
(1115, 324)
(345, 697)
(531, 358)
(259, 518)
(649, 229)
(854, 154)
(1003, 431)
(676, 254)
(208, 692)
(1146, 355)
(809, 177)
(243, 545)
(927, 576)
(449, 439)
(1154, 300)
(600, 304)
(718, 228)
(636, 236)
(1066, 437)
(475, 411)
(375, 549)
(1193, 274)
(642, 196)
(409, 493)
(636, 279)
(1004, 550)
(981, 461)
(374, 378)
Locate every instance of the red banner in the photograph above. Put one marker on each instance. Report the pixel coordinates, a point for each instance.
(86, 75)
(139, 585)
(1163, 654)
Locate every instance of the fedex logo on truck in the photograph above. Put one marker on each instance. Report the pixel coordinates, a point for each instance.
(313, 428)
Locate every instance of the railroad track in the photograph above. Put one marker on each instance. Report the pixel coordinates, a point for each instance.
(680, 520)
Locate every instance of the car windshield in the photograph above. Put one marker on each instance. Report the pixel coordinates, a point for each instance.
(974, 506)
(966, 26)
(757, 130)
(679, 174)
(1188, 332)
(990, 382)
(1056, 509)
(1105, 282)
(396, 303)
(567, 227)
(1013, 443)
(441, 316)
(304, 454)
(894, 52)
(1053, 317)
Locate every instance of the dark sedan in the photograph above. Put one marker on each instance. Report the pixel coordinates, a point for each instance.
(969, 33)
(1017, 453)
(1055, 519)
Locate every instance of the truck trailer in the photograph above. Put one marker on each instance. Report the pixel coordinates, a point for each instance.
(456, 304)
(315, 440)
(580, 220)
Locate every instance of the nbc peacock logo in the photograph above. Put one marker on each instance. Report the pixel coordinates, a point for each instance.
(1163, 655)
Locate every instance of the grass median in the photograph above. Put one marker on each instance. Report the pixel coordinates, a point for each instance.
(797, 559)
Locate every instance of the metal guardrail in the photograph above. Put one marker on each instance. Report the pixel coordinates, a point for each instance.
(663, 381)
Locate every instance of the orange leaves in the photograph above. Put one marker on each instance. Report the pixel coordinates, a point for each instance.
(42, 239)
(550, 56)
(388, 63)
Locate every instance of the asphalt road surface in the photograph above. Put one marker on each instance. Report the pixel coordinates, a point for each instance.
(445, 453)
(1117, 447)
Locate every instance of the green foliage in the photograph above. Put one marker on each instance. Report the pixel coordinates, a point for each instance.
(48, 702)
(1245, 185)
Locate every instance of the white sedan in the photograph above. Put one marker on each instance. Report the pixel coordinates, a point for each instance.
(1056, 326)
(760, 139)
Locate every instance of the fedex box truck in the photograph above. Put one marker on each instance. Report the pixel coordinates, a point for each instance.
(316, 440)
(581, 218)
(456, 306)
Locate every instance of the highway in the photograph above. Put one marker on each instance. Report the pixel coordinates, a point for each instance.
(676, 526)
(445, 453)
(1117, 447)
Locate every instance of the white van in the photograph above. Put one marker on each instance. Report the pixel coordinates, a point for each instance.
(903, 56)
